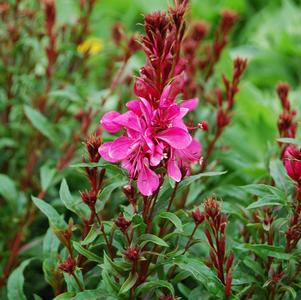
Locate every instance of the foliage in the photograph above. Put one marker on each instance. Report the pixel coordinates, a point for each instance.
(76, 226)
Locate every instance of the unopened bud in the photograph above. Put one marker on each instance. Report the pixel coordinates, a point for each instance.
(122, 223)
(132, 253)
(198, 217)
(203, 125)
(68, 266)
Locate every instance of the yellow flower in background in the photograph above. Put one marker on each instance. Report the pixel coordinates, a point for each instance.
(90, 46)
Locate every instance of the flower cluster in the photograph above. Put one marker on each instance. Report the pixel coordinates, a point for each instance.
(155, 134)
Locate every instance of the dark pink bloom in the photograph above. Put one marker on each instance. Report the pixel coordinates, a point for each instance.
(292, 162)
(152, 135)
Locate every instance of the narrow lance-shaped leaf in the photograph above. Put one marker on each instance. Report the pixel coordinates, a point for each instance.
(8, 189)
(47, 175)
(146, 286)
(151, 238)
(53, 216)
(16, 281)
(79, 207)
(129, 283)
(173, 218)
(106, 193)
(88, 254)
(41, 123)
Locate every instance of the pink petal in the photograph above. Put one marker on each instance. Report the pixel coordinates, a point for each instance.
(107, 121)
(134, 106)
(129, 120)
(173, 170)
(156, 155)
(172, 112)
(177, 138)
(120, 148)
(165, 93)
(190, 104)
(148, 181)
(104, 150)
(192, 153)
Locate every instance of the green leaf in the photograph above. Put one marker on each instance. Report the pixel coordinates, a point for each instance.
(79, 208)
(146, 286)
(279, 175)
(8, 189)
(109, 167)
(115, 267)
(190, 179)
(267, 195)
(53, 216)
(151, 238)
(47, 176)
(290, 141)
(264, 202)
(91, 236)
(173, 218)
(200, 272)
(16, 281)
(88, 254)
(41, 123)
(50, 244)
(266, 250)
(291, 290)
(129, 283)
(105, 194)
(98, 294)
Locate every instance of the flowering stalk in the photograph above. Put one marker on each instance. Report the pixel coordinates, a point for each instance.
(50, 13)
(191, 45)
(156, 135)
(287, 126)
(225, 105)
(89, 197)
(216, 236)
(228, 19)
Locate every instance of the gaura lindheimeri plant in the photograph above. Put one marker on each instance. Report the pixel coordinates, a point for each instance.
(164, 210)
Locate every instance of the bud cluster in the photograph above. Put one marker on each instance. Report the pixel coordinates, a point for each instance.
(213, 52)
(287, 126)
(216, 237)
(132, 253)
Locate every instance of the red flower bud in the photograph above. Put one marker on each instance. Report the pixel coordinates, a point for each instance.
(199, 30)
(122, 223)
(228, 284)
(209, 238)
(117, 33)
(198, 217)
(89, 198)
(132, 253)
(203, 125)
(68, 266)
(229, 262)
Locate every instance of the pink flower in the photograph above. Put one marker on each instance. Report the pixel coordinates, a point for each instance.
(292, 162)
(152, 135)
